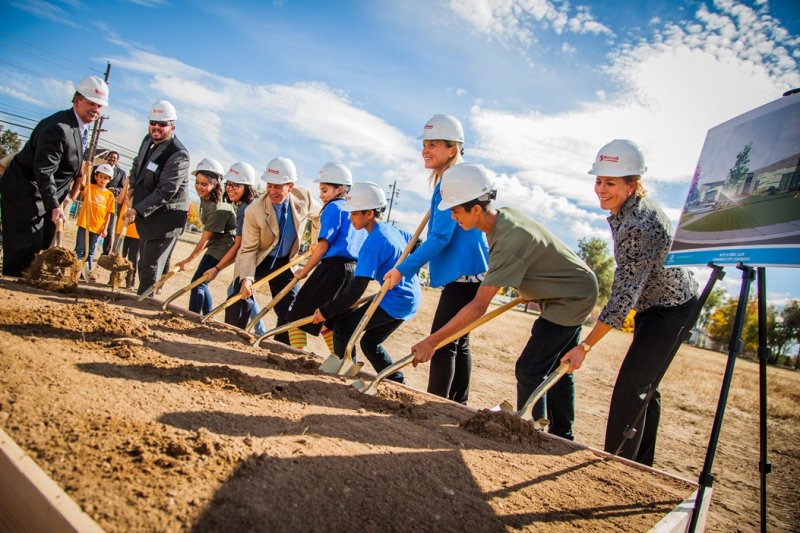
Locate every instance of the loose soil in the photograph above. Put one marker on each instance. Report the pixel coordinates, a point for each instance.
(195, 429)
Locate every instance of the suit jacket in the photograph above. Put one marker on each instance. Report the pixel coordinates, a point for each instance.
(260, 233)
(42, 172)
(160, 195)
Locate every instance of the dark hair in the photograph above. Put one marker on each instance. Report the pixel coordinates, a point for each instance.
(477, 201)
(248, 195)
(345, 189)
(216, 193)
(112, 152)
(376, 211)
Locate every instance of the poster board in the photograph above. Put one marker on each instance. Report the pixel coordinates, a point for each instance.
(743, 204)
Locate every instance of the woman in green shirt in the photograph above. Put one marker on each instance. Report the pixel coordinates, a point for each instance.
(219, 225)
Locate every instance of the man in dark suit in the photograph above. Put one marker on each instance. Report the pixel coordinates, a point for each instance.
(116, 185)
(159, 182)
(41, 174)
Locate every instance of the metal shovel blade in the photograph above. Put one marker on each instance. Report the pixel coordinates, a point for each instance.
(526, 412)
(372, 389)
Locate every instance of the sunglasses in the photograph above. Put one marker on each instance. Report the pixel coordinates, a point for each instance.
(159, 123)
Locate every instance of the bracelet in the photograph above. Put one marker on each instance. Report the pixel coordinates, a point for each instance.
(218, 270)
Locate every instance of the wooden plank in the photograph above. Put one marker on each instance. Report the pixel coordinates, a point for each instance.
(30, 501)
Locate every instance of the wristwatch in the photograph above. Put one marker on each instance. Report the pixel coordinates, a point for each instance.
(586, 347)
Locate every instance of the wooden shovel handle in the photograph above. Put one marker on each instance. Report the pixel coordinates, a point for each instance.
(192, 285)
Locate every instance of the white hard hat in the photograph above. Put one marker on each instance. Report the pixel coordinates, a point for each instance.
(280, 171)
(106, 169)
(335, 173)
(464, 182)
(443, 128)
(619, 158)
(93, 89)
(365, 195)
(209, 165)
(162, 110)
(242, 173)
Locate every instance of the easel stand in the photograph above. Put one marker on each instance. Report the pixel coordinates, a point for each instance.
(734, 348)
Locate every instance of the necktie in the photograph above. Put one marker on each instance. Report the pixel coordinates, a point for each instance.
(84, 140)
(281, 228)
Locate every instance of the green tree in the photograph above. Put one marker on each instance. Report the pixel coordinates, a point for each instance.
(741, 167)
(595, 253)
(9, 142)
(717, 297)
(720, 327)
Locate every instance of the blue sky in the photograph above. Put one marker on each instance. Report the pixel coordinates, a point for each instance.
(540, 85)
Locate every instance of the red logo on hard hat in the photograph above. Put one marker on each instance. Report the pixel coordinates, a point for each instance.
(273, 171)
(610, 158)
(428, 126)
(233, 171)
(98, 91)
(156, 110)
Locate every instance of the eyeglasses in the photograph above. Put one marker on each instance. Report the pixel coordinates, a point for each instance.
(233, 185)
(160, 123)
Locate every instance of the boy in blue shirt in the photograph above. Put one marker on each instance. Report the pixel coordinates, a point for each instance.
(382, 248)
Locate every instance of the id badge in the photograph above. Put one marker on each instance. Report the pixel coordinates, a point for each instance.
(152, 166)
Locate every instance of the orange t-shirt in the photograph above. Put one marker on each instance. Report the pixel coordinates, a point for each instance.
(131, 231)
(101, 204)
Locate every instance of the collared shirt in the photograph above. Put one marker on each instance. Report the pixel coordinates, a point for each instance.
(84, 131)
(286, 234)
(642, 236)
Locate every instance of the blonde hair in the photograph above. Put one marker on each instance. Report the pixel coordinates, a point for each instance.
(639, 191)
(435, 177)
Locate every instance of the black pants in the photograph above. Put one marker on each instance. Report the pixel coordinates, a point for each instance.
(239, 313)
(546, 346)
(654, 338)
(451, 366)
(153, 257)
(25, 233)
(381, 324)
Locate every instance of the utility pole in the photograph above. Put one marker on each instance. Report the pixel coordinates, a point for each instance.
(98, 124)
(394, 194)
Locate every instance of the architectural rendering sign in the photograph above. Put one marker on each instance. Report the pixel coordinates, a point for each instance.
(744, 201)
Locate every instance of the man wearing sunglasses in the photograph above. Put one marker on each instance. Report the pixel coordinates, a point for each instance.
(159, 185)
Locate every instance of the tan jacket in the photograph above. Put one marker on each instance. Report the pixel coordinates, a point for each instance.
(260, 232)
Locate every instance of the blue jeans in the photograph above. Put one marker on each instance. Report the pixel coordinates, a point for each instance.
(547, 344)
(378, 329)
(200, 297)
(80, 244)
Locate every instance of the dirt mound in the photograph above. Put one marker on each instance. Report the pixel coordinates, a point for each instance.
(87, 320)
(192, 429)
(55, 269)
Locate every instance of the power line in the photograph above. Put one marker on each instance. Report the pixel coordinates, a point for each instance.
(47, 51)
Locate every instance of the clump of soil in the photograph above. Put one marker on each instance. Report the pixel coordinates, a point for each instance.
(114, 262)
(55, 269)
(502, 426)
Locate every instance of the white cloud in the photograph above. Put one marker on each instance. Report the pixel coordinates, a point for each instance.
(671, 91)
(513, 23)
(46, 10)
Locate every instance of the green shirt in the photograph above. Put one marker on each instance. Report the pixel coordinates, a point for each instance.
(526, 256)
(220, 220)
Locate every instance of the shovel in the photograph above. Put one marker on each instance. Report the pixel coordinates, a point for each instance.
(302, 322)
(372, 388)
(345, 366)
(160, 283)
(85, 259)
(526, 411)
(260, 283)
(179, 292)
(272, 303)
(114, 261)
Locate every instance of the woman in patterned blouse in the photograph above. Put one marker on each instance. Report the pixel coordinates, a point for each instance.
(662, 297)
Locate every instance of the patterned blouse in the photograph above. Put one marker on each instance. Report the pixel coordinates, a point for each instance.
(642, 236)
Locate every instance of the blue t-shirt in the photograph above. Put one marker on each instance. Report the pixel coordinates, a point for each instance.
(382, 248)
(334, 226)
(240, 218)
